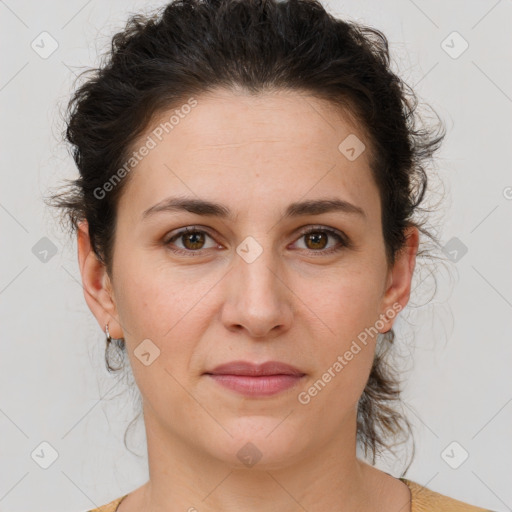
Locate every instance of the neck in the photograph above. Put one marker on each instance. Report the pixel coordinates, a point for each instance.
(191, 478)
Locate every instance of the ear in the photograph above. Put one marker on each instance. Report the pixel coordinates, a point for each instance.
(96, 283)
(398, 287)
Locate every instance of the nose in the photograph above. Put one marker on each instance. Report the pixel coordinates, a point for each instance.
(258, 298)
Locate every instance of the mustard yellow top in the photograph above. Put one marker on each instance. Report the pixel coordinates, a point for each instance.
(423, 500)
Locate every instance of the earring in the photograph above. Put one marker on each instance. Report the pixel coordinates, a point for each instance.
(109, 338)
(119, 342)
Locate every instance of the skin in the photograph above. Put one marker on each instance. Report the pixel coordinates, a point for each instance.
(255, 155)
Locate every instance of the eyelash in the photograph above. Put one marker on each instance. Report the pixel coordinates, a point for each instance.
(344, 241)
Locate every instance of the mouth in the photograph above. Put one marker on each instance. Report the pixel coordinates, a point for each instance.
(265, 385)
(255, 380)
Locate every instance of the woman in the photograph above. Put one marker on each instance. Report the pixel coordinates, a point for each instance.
(250, 177)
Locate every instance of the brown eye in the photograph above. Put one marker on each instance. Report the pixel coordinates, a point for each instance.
(192, 241)
(317, 239)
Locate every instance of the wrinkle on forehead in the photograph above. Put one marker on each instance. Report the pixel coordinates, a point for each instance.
(237, 144)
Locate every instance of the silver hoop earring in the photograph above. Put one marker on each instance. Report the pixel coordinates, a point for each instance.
(109, 338)
(119, 343)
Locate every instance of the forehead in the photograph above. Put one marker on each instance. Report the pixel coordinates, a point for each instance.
(225, 118)
(281, 146)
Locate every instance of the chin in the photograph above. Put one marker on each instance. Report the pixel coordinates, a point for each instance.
(260, 442)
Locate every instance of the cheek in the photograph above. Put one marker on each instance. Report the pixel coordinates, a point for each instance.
(166, 325)
(345, 314)
(346, 306)
(168, 311)
(153, 302)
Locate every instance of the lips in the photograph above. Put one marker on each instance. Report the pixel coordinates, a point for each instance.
(256, 380)
(256, 370)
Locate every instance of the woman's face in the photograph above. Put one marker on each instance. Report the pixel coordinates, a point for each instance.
(250, 285)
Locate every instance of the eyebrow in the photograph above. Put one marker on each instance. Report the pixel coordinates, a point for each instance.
(209, 208)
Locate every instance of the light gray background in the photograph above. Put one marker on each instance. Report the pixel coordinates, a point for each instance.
(53, 382)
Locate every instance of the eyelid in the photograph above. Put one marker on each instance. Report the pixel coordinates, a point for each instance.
(344, 240)
(321, 227)
(177, 233)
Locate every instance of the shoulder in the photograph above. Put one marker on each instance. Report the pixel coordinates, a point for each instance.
(424, 500)
(109, 507)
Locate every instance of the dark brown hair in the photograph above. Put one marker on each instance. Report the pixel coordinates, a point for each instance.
(189, 47)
